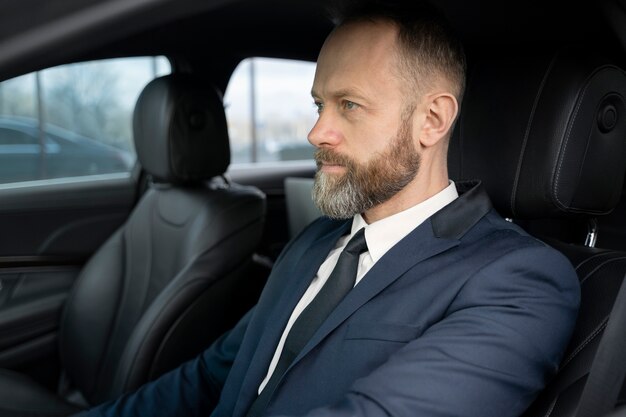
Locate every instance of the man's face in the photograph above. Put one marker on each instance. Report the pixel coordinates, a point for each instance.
(364, 185)
(364, 135)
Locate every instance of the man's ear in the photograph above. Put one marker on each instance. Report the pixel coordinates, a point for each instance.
(441, 110)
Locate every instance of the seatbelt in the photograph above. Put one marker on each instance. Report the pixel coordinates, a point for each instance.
(608, 369)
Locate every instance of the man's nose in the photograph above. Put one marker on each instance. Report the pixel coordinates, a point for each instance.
(325, 132)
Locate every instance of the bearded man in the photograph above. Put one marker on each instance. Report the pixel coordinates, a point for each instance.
(411, 297)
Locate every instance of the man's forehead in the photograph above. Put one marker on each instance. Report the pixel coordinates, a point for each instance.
(365, 35)
(354, 54)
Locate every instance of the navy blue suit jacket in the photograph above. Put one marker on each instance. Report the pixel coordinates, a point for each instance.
(466, 316)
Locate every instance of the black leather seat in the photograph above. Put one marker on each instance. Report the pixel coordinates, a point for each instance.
(173, 277)
(547, 135)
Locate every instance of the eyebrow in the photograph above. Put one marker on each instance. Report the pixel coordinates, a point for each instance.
(345, 92)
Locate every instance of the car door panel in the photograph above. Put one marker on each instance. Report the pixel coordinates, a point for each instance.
(62, 218)
(31, 300)
(49, 229)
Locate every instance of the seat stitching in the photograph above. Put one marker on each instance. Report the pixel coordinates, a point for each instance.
(601, 265)
(569, 131)
(551, 409)
(593, 257)
(96, 386)
(193, 281)
(565, 143)
(147, 273)
(526, 135)
(587, 340)
(150, 261)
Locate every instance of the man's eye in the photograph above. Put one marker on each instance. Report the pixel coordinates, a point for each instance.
(349, 105)
(319, 106)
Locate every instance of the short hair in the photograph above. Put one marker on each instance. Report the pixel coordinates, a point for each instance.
(428, 45)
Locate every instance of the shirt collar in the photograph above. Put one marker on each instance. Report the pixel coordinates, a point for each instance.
(383, 234)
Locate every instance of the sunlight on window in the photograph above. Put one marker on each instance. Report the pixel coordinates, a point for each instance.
(72, 120)
(269, 110)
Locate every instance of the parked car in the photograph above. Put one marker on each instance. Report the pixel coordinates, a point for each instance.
(28, 154)
(49, 231)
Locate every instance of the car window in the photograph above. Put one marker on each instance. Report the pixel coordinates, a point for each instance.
(16, 137)
(270, 110)
(72, 120)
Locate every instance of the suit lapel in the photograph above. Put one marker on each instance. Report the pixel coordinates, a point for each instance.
(437, 234)
(300, 276)
(416, 247)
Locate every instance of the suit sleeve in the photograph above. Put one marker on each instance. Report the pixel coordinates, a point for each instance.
(490, 355)
(190, 390)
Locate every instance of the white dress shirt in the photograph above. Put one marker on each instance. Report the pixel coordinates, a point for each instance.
(380, 236)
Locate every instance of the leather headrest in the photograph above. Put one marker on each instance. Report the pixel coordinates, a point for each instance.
(180, 130)
(546, 135)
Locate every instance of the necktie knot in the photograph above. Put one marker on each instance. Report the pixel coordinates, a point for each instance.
(357, 244)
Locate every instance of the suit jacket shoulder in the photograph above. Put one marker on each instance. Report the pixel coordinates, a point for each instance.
(467, 315)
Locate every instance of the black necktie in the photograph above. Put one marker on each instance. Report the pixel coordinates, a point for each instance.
(339, 283)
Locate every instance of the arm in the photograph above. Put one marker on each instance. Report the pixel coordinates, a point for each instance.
(192, 389)
(500, 340)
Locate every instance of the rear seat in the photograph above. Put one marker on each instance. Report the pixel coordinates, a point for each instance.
(547, 136)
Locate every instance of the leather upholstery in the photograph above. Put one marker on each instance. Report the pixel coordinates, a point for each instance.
(145, 301)
(601, 273)
(175, 245)
(551, 126)
(546, 133)
(22, 397)
(180, 130)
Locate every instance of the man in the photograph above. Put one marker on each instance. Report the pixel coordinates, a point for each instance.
(448, 309)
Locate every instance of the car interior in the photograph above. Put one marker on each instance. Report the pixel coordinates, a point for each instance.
(555, 155)
(107, 282)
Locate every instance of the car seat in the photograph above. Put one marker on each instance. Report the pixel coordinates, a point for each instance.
(173, 277)
(546, 133)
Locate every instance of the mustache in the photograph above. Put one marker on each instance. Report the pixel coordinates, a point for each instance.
(331, 157)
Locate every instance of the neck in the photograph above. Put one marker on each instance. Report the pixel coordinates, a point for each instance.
(420, 189)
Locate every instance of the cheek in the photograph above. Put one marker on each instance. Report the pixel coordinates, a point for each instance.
(366, 141)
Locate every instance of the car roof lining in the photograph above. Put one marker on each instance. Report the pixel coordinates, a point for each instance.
(192, 36)
(61, 34)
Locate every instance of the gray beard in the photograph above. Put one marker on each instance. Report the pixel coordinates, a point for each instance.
(371, 183)
(366, 185)
(339, 201)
